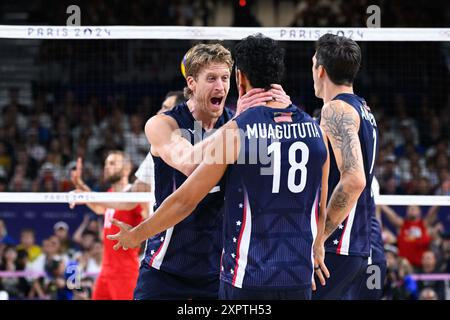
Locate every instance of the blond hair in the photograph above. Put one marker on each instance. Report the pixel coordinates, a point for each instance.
(200, 56)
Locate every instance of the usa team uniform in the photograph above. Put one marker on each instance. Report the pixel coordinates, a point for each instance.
(183, 261)
(271, 207)
(359, 289)
(348, 248)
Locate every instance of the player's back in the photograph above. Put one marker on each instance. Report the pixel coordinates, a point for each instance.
(271, 206)
(353, 236)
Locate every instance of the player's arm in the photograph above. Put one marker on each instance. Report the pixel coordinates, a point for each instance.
(341, 124)
(137, 186)
(320, 268)
(223, 150)
(81, 186)
(100, 207)
(166, 141)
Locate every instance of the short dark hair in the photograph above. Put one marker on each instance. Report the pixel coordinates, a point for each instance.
(261, 59)
(179, 96)
(340, 56)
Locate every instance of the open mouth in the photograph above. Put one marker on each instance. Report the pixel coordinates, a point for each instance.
(216, 101)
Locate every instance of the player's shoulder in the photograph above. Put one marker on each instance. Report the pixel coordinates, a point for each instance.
(168, 118)
(337, 108)
(179, 109)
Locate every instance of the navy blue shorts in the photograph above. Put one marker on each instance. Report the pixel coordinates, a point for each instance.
(360, 290)
(155, 284)
(343, 271)
(228, 292)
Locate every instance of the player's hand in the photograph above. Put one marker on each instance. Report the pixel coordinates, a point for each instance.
(260, 97)
(75, 175)
(73, 204)
(320, 269)
(279, 94)
(125, 238)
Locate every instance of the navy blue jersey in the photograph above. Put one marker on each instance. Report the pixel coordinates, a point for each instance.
(376, 240)
(353, 236)
(272, 196)
(191, 248)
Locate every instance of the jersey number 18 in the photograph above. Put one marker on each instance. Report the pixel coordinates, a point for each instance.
(295, 166)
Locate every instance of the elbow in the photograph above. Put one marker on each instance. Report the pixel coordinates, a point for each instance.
(187, 170)
(355, 183)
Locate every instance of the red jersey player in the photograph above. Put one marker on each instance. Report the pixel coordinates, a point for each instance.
(120, 269)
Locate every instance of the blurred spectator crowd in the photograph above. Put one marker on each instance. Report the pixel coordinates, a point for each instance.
(306, 13)
(63, 267)
(39, 145)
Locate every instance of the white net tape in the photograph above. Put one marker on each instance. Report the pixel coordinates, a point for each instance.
(135, 197)
(220, 33)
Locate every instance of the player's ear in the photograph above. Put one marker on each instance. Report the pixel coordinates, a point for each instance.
(241, 81)
(191, 83)
(321, 71)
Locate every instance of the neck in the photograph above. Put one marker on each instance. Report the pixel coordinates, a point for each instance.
(120, 185)
(331, 90)
(206, 120)
(271, 104)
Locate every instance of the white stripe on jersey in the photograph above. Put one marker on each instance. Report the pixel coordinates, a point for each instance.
(345, 238)
(215, 189)
(158, 259)
(244, 244)
(314, 228)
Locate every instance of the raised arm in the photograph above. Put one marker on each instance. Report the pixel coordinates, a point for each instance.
(222, 150)
(341, 125)
(77, 180)
(432, 216)
(392, 216)
(77, 236)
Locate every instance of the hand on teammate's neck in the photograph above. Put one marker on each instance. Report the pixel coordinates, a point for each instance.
(270, 104)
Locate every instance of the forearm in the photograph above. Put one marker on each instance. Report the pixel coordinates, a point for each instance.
(117, 205)
(432, 215)
(79, 232)
(193, 156)
(342, 201)
(173, 210)
(320, 237)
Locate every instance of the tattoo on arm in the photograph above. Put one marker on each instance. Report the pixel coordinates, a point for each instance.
(330, 226)
(342, 128)
(339, 201)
